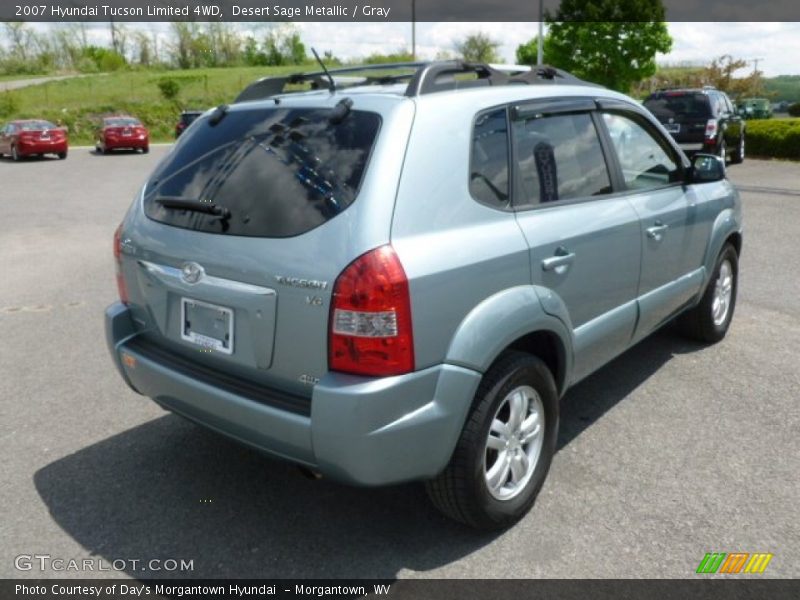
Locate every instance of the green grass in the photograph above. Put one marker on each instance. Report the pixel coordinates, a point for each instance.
(18, 77)
(79, 102)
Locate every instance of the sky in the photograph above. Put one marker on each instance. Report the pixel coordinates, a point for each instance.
(777, 45)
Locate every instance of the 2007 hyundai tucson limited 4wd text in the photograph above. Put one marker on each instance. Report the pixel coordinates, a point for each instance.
(396, 277)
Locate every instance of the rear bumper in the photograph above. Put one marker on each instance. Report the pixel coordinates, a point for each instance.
(690, 149)
(28, 148)
(126, 142)
(358, 430)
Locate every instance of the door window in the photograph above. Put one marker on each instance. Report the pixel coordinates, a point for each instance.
(558, 158)
(646, 161)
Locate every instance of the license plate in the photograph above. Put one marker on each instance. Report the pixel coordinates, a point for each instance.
(207, 325)
(126, 132)
(45, 136)
(673, 127)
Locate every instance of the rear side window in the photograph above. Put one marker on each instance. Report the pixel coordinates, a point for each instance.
(488, 179)
(279, 172)
(679, 104)
(558, 158)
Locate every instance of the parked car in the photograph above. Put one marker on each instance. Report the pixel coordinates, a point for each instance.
(33, 137)
(755, 108)
(121, 132)
(398, 281)
(187, 118)
(701, 120)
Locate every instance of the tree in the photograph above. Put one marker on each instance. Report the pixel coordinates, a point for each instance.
(479, 47)
(610, 42)
(528, 54)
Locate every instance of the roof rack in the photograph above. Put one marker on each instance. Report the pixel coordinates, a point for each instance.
(422, 78)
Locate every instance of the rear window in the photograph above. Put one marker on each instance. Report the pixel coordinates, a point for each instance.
(122, 122)
(279, 172)
(188, 118)
(677, 104)
(35, 125)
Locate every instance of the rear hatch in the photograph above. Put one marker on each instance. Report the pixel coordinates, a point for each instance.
(231, 253)
(683, 113)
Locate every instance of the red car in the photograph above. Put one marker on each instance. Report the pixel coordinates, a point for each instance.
(33, 137)
(122, 132)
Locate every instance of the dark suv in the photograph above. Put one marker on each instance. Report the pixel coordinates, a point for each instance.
(701, 120)
(187, 118)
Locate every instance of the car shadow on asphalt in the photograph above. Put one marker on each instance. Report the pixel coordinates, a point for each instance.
(110, 153)
(590, 399)
(169, 489)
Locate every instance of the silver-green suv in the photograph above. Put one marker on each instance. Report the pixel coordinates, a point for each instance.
(386, 277)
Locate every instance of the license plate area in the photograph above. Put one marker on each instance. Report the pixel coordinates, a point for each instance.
(126, 132)
(207, 325)
(673, 127)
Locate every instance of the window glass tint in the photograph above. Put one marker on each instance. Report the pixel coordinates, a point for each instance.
(280, 172)
(558, 158)
(645, 163)
(36, 125)
(679, 104)
(121, 122)
(488, 180)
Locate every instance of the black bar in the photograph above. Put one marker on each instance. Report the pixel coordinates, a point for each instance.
(478, 11)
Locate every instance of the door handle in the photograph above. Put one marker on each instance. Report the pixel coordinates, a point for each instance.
(560, 262)
(656, 231)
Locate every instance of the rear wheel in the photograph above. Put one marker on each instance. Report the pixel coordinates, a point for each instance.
(505, 449)
(709, 321)
(15, 154)
(738, 155)
(722, 150)
(62, 155)
(146, 150)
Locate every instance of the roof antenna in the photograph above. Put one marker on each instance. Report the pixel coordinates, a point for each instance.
(331, 85)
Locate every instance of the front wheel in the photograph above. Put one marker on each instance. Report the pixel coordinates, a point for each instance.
(709, 321)
(505, 449)
(14, 154)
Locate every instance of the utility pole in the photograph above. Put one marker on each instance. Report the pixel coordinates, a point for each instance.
(413, 29)
(540, 44)
(756, 82)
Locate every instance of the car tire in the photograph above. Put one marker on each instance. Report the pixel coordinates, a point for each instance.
(62, 155)
(488, 483)
(722, 150)
(738, 155)
(709, 321)
(146, 150)
(14, 154)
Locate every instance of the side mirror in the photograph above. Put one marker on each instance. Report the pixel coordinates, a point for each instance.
(706, 168)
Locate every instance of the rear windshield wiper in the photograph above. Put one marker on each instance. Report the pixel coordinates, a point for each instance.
(193, 205)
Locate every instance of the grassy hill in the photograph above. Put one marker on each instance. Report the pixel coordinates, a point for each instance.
(79, 102)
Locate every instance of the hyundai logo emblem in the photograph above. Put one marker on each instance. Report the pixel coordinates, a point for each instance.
(191, 272)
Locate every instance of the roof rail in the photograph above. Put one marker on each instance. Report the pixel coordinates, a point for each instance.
(423, 78)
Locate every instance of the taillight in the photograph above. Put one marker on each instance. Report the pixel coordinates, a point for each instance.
(711, 129)
(370, 322)
(121, 287)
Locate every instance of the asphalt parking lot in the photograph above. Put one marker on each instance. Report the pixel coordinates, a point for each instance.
(671, 451)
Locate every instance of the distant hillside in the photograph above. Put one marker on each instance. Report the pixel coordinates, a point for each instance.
(785, 87)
